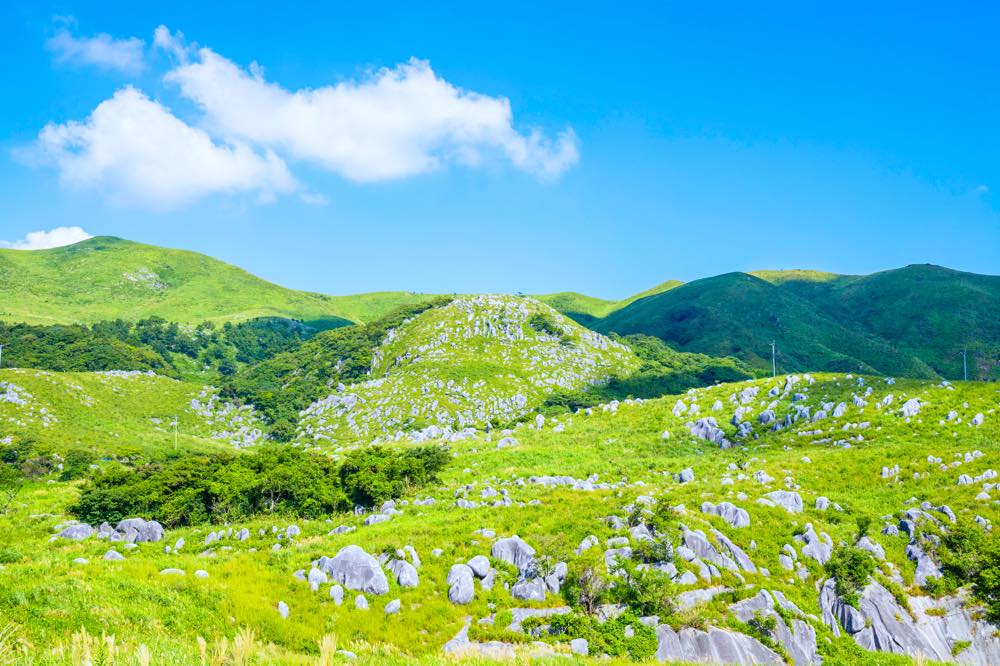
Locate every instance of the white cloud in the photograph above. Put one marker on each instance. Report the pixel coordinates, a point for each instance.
(392, 124)
(135, 151)
(103, 50)
(43, 240)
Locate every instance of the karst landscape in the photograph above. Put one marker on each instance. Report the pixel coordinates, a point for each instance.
(430, 333)
(406, 478)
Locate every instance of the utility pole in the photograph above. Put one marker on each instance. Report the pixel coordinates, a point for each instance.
(774, 365)
(965, 365)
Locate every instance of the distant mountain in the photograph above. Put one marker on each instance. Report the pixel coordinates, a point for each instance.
(913, 321)
(107, 278)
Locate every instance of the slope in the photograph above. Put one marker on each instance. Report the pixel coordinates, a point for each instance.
(474, 362)
(926, 311)
(739, 315)
(587, 309)
(108, 278)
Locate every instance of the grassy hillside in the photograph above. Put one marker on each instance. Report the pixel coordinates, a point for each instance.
(59, 606)
(108, 278)
(474, 362)
(117, 414)
(739, 315)
(926, 311)
(587, 309)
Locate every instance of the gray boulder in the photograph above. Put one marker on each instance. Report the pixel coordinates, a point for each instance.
(460, 584)
(137, 530)
(514, 550)
(356, 570)
(729, 512)
(716, 646)
(77, 532)
(790, 501)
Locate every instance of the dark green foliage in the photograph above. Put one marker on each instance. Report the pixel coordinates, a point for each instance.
(913, 321)
(664, 371)
(10, 485)
(76, 464)
(270, 480)
(852, 567)
(543, 323)
(608, 637)
(969, 554)
(864, 524)
(374, 474)
(74, 348)
(282, 386)
(645, 591)
(148, 344)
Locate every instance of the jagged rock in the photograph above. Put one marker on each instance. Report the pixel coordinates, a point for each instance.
(337, 594)
(742, 560)
(361, 602)
(790, 501)
(587, 543)
(926, 567)
(910, 408)
(514, 550)
(406, 574)
(707, 428)
(480, 565)
(138, 530)
(77, 532)
(113, 555)
(876, 549)
(797, 636)
(392, 607)
(460, 584)
(729, 512)
(529, 590)
(716, 646)
(685, 475)
(818, 547)
(283, 610)
(356, 570)
(579, 646)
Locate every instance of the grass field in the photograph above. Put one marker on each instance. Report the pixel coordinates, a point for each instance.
(46, 597)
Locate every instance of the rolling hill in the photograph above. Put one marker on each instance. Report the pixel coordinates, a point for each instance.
(108, 278)
(913, 321)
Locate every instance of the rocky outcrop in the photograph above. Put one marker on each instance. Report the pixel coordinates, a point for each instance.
(881, 624)
(796, 636)
(356, 570)
(715, 646)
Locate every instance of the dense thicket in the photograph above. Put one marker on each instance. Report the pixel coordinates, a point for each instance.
(279, 480)
(282, 386)
(663, 371)
(148, 344)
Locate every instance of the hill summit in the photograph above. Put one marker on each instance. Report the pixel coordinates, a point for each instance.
(475, 362)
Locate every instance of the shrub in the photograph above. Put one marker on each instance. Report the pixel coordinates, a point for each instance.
(269, 480)
(851, 567)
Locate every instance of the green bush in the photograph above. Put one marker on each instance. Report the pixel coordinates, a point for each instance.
(269, 480)
(970, 555)
(851, 567)
(608, 637)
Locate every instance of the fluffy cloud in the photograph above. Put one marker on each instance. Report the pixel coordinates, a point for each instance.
(394, 123)
(390, 124)
(103, 50)
(137, 152)
(43, 240)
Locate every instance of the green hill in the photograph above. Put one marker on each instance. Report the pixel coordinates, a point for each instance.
(739, 315)
(587, 309)
(913, 321)
(109, 278)
(926, 311)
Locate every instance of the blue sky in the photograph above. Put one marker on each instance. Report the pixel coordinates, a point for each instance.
(575, 146)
